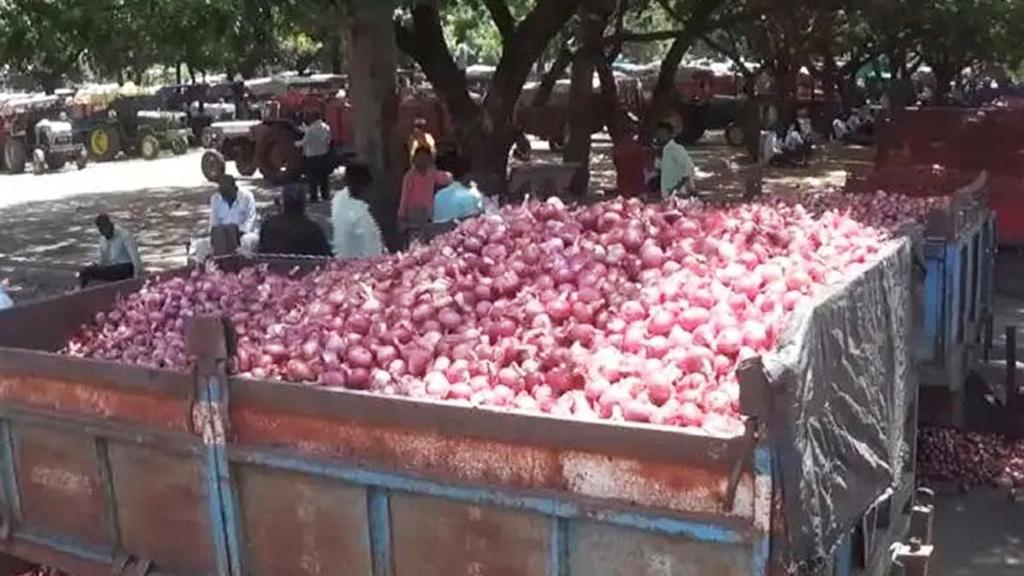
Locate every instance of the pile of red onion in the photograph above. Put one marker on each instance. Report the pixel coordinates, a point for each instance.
(914, 180)
(619, 310)
(969, 458)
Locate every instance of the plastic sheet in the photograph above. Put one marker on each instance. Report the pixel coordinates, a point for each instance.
(842, 381)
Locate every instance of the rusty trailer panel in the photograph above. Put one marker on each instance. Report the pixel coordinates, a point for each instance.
(294, 524)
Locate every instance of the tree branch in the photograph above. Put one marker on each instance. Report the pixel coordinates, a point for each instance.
(734, 55)
(502, 18)
(637, 37)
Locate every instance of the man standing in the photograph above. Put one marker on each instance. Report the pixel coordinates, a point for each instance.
(316, 156)
(291, 231)
(420, 138)
(674, 163)
(119, 256)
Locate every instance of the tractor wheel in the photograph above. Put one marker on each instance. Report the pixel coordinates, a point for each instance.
(104, 143)
(179, 145)
(56, 161)
(14, 155)
(735, 136)
(149, 147)
(277, 157)
(81, 159)
(245, 159)
(38, 162)
(213, 165)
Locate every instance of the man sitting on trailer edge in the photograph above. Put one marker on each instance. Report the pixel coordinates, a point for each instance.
(119, 256)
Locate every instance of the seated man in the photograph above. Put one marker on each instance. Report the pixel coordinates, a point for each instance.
(291, 231)
(460, 199)
(356, 233)
(675, 167)
(119, 257)
(232, 214)
(795, 150)
(5, 300)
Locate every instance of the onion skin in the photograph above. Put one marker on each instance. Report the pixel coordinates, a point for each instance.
(620, 311)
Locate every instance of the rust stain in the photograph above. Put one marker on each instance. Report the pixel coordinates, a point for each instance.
(78, 398)
(680, 488)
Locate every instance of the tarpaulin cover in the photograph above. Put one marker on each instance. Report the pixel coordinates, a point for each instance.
(841, 380)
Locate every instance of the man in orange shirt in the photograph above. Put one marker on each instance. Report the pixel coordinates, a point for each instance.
(420, 138)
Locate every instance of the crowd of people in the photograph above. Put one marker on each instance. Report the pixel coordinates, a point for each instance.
(429, 195)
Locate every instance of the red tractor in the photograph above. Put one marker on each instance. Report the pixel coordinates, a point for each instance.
(268, 145)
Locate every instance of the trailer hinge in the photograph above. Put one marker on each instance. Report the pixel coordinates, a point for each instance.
(129, 565)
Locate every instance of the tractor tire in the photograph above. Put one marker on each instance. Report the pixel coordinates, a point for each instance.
(56, 161)
(104, 143)
(179, 145)
(213, 165)
(149, 148)
(245, 159)
(14, 155)
(38, 162)
(278, 159)
(735, 135)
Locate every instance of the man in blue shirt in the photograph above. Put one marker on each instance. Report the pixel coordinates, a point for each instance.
(460, 199)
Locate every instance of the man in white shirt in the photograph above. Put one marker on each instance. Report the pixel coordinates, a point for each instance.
(5, 300)
(232, 214)
(316, 156)
(674, 162)
(119, 256)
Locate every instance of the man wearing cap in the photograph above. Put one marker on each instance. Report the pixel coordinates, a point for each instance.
(291, 231)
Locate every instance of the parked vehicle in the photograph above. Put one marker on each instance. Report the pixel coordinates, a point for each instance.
(35, 131)
(135, 126)
(268, 145)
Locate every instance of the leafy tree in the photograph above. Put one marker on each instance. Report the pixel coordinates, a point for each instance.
(42, 39)
(485, 129)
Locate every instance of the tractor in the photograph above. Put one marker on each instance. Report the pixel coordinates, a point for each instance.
(36, 130)
(135, 126)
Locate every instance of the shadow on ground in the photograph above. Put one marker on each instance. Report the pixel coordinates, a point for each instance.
(978, 534)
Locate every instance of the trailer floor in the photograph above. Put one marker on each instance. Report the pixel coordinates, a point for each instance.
(980, 533)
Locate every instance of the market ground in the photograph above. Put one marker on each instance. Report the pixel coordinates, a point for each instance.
(46, 233)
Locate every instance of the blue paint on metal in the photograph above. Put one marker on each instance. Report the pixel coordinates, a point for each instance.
(379, 518)
(844, 556)
(223, 520)
(764, 465)
(701, 531)
(558, 559)
(12, 496)
(66, 546)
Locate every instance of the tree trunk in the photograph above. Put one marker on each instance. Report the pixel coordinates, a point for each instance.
(374, 94)
(580, 106)
(485, 133)
(547, 83)
(663, 96)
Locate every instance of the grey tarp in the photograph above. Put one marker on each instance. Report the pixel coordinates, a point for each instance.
(841, 380)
